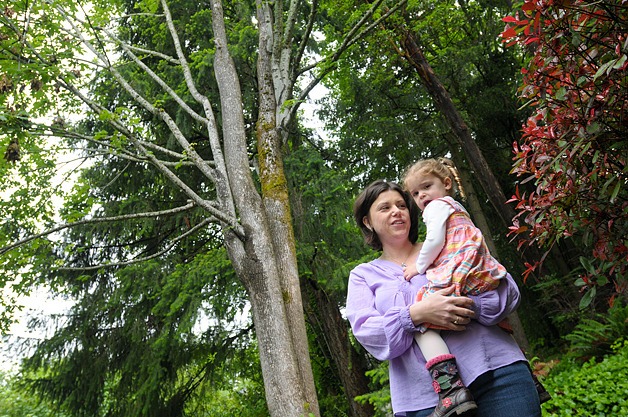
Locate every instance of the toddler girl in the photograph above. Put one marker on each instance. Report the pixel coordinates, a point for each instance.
(454, 253)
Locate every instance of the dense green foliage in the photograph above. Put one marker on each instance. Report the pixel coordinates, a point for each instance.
(149, 335)
(160, 336)
(15, 401)
(595, 337)
(596, 389)
(380, 398)
(168, 336)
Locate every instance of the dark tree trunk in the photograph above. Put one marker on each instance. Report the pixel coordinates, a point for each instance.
(350, 365)
(461, 131)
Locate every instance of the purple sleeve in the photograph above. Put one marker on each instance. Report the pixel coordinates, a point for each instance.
(385, 336)
(399, 330)
(491, 307)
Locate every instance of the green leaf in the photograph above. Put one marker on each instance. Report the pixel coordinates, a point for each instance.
(620, 62)
(606, 67)
(587, 298)
(561, 94)
(593, 128)
(615, 191)
(586, 263)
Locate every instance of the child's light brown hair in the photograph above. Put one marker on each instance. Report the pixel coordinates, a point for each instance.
(441, 168)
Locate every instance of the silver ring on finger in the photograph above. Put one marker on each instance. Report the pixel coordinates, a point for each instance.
(456, 321)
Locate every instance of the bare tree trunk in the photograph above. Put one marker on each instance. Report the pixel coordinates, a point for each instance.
(350, 365)
(276, 198)
(265, 260)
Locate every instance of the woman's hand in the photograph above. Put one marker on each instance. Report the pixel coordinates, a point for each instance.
(454, 313)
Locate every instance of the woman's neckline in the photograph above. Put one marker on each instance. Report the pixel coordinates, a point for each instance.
(402, 260)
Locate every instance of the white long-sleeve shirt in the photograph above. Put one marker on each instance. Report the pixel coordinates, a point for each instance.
(435, 216)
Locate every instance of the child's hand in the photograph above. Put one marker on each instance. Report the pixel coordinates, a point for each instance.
(409, 271)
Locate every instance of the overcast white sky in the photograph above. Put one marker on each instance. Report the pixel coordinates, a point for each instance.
(38, 304)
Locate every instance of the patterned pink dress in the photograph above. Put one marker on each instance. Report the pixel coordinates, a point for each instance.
(464, 261)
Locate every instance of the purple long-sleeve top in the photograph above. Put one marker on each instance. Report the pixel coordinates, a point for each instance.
(378, 301)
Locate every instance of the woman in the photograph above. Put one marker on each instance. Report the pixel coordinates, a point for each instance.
(384, 318)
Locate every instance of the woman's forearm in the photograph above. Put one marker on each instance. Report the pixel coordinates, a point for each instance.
(491, 307)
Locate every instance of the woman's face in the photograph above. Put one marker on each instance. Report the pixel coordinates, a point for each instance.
(389, 216)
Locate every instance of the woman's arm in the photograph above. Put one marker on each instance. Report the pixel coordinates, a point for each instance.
(384, 336)
(442, 309)
(368, 324)
(491, 307)
(390, 334)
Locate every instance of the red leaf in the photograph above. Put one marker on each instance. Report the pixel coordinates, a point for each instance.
(510, 32)
(528, 6)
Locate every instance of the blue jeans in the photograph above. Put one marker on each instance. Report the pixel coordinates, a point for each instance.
(504, 392)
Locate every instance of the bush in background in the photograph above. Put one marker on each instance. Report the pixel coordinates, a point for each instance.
(592, 389)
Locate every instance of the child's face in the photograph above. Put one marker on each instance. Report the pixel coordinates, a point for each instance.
(427, 187)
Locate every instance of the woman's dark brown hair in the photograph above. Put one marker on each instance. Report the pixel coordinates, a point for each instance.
(365, 200)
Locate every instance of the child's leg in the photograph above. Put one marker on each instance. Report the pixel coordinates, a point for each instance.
(431, 344)
(453, 396)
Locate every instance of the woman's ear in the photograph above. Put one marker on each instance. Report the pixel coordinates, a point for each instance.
(367, 223)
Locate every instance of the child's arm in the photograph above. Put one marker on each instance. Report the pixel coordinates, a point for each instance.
(435, 216)
(410, 271)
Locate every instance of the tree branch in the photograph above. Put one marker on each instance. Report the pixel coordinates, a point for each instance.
(306, 36)
(58, 228)
(189, 150)
(181, 159)
(350, 39)
(156, 78)
(173, 242)
(230, 221)
(212, 130)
